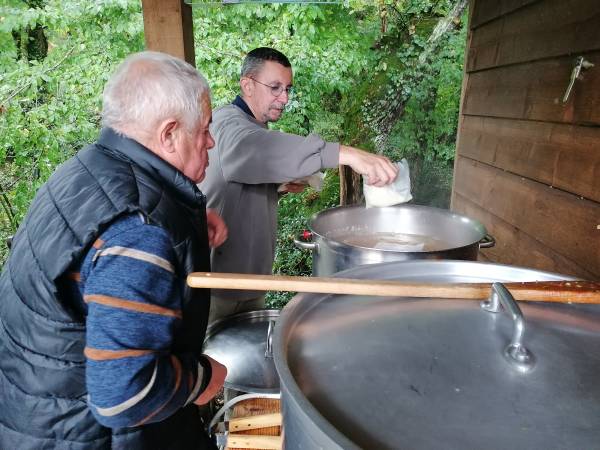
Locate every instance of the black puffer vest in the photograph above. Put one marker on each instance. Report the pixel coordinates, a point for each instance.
(42, 366)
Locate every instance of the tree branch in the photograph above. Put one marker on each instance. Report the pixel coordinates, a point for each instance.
(28, 83)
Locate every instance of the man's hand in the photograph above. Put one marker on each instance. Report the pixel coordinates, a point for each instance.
(219, 372)
(378, 169)
(217, 230)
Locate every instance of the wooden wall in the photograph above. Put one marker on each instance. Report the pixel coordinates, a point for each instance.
(527, 165)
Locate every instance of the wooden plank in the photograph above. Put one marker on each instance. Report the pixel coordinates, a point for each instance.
(515, 247)
(168, 28)
(545, 29)
(563, 222)
(563, 156)
(534, 91)
(255, 407)
(487, 10)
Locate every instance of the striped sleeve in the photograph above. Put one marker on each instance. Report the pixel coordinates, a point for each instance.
(133, 297)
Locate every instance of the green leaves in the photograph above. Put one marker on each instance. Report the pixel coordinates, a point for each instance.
(345, 72)
(49, 109)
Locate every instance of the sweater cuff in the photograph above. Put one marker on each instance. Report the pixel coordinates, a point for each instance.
(204, 373)
(330, 155)
(205, 363)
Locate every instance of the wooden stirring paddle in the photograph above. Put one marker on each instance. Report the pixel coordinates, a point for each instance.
(543, 291)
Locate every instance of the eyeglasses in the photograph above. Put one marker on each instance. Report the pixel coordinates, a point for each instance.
(276, 91)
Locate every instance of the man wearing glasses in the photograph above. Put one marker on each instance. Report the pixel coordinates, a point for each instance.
(249, 162)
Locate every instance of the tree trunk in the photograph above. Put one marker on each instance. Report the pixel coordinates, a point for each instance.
(384, 120)
(31, 42)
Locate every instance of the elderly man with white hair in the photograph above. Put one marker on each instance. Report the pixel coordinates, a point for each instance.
(100, 338)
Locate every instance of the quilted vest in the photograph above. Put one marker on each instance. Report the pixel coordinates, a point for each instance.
(42, 337)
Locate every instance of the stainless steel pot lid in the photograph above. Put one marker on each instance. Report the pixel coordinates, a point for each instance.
(241, 343)
(391, 373)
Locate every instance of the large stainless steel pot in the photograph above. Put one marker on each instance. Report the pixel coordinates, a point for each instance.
(393, 373)
(434, 234)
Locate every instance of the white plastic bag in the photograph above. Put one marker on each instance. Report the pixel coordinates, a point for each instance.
(392, 194)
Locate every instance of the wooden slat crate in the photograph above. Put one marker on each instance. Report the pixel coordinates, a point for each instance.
(255, 407)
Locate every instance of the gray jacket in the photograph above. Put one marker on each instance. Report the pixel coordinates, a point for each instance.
(246, 166)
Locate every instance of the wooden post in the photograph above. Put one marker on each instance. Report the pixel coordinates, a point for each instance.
(350, 187)
(168, 28)
(463, 89)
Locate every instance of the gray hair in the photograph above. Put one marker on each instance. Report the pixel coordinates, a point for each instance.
(255, 60)
(149, 87)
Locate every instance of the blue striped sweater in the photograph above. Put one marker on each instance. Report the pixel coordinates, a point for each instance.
(129, 289)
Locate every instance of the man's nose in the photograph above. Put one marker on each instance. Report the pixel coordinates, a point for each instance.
(211, 141)
(284, 96)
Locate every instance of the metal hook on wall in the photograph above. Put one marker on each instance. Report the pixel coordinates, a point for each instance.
(580, 64)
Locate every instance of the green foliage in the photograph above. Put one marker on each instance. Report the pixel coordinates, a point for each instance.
(51, 108)
(326, 48)
(295, 211)
(345, 71)
(426, 133)
(428, 126)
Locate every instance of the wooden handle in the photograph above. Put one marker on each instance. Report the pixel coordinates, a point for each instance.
(254, 422)
(545, 291)
(254, 441)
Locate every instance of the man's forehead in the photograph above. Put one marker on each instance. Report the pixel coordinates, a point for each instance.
(273, 71)
(206, 108)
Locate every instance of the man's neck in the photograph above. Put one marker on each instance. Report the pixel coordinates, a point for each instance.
(254, 111)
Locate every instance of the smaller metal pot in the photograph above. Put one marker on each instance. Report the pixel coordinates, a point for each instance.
(341, 238)
(242, 343)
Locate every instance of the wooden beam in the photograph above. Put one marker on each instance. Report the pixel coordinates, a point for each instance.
(463, 89)
(168, 28)
(350, 187)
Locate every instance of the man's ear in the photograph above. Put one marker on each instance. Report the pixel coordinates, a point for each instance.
(167, 135)
(246, 86)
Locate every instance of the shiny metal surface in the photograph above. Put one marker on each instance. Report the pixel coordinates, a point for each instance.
(241, 342)
(390, 373)
(515, 352)
(330, 256)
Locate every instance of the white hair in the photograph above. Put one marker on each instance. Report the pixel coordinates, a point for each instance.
(149, 87)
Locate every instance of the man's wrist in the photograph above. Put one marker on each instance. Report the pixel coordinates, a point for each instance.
(346, 155)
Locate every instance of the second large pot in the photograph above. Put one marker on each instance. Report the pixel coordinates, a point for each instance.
(360, 372)
(349, 236)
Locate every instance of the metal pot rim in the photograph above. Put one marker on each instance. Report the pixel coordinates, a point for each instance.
(291, 315)
(445, 212)
(248, 372)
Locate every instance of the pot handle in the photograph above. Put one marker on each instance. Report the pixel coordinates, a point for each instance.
(515, 352)
(487, 241)
(269, 349)
(302, 242)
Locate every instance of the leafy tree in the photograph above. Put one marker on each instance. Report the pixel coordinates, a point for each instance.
(349, 62)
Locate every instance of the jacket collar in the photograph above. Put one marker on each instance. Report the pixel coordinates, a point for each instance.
(241, 103)
(151, 163)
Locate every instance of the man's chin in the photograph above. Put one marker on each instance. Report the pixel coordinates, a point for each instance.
(200, 177)
(275, 115)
